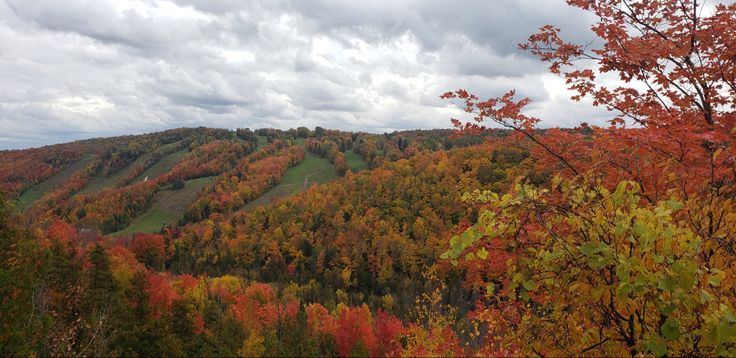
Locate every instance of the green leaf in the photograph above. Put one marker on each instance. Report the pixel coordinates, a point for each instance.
(622, 272)
(467, 238)
(675, 205)
(624, 289)
(640, 227)
(454, 240)
(589, 248)
(618, 195)
(529, 285)
(667, 310)
(482, 253)
(525, 296)
(729, 316)
(670, 329)
(517, 277)
(667, 284)
(597, 262)
(489, 290)
(655, 346)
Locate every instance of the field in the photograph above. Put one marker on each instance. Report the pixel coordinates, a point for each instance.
(356, 163)
(168, 207)
(312, 169)
(37, 191)
(163, 166)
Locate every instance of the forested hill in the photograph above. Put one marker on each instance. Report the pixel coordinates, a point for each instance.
(134, 184)
(220, 242)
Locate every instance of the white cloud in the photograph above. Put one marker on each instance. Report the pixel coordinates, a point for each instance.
(107, 67)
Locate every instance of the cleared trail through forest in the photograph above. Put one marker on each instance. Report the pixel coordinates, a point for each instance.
(167, 208)
(100, 182)
(37, 191)
(312, 169)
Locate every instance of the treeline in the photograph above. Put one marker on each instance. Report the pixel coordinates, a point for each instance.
(207, 159)
(21, 169)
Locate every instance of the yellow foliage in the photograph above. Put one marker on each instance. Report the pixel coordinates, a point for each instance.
(253, 346)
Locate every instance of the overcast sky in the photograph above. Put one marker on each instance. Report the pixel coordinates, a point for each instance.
(77, 69)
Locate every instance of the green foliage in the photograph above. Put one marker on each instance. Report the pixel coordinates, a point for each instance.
(613, 270)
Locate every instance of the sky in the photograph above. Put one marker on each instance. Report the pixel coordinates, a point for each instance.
(77, 69)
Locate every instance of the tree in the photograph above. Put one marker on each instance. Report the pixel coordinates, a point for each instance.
(178, 184)
(675, 110)
(161, 294)
(99, 303)
(303, 132)
(355, 331)
(638, 211)
(149, 249)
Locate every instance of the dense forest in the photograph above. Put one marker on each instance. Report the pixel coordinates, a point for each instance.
(495, 238)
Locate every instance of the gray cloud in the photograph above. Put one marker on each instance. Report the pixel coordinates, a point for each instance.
(91, 68)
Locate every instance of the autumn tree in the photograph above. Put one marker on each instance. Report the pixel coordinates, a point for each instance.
(21, 326)
(648, 258)
(674, 109)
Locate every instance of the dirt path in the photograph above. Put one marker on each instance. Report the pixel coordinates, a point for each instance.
(306, 181)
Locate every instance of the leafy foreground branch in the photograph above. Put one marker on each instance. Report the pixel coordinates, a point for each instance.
(596, 272)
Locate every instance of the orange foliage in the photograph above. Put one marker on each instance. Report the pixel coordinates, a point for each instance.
(354, 325)
(148, 247)
(161, 294)
(388, 333)
(61, 232)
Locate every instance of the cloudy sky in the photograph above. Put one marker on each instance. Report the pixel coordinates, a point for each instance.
(76, 69)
